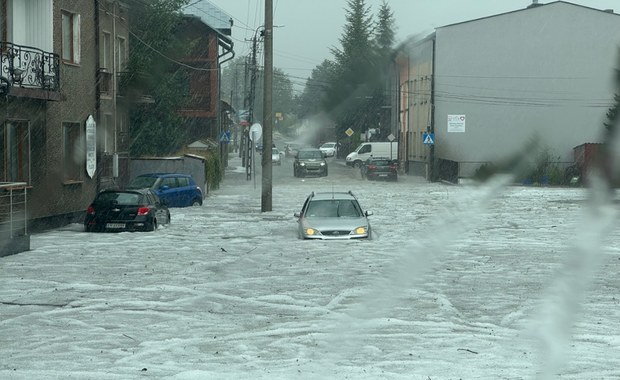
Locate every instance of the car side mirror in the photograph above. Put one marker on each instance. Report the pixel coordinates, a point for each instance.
(164, 187)
(368, 213)
(297, 215)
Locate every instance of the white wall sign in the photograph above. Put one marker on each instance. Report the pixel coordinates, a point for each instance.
(91, 146)
(456, 123)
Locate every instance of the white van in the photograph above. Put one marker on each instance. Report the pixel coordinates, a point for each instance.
(375, 149)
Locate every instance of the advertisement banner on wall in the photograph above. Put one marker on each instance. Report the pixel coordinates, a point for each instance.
(456, 123)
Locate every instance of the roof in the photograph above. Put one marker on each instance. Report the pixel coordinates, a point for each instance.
(534, 6)
(210, 15)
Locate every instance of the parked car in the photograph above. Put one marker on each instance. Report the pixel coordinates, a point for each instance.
(333, 215)
(379, 168)
(309, 161)
(276, 156)
(126, 210)
(329, 149)
(177, 190)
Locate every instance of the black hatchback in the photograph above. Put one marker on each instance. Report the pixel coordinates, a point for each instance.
(126, 210)
(380, 168)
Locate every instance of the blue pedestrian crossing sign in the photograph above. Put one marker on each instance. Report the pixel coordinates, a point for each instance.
(428, 138)
(225, 137)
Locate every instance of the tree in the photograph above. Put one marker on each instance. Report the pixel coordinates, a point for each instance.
(384, 35)
(313, 100)
(348, 94)
(384, 39)
(151, 71)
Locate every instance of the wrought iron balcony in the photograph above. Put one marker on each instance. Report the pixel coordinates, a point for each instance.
(28, 67)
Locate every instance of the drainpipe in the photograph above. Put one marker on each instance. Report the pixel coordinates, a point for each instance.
(97, 90)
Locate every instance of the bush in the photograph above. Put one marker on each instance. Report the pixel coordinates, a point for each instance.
(213, 170)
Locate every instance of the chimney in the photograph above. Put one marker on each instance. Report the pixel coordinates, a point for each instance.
(534, 4)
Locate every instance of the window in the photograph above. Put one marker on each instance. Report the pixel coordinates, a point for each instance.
(106, 51)
(121, 53)
(171, 182)
(108, 133)
(74, 155)
(15, 156)
(70, 37)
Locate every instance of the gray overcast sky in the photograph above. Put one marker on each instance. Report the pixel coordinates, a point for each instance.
(311, 27)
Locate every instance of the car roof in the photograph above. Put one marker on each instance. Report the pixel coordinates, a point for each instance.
(135, 191)
(332, 195)
(309, 149)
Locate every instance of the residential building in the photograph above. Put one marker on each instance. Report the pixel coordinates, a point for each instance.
(48, 68)
(113, 138)
(208, 29)
(542, 75)
(203, 111)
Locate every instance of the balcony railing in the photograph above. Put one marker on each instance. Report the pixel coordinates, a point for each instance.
(29, 67)
(14, 236)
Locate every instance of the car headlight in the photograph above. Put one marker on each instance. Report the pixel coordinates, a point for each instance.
(361, 230)
(311, 231)
(322, 163)
(302, 164)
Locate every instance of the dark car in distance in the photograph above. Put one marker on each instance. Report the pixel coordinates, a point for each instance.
(310, 161)
(176, 189)
(379, 168)
(126, 210)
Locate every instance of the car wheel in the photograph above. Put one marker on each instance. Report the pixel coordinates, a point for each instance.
(357, 164)
(151, 226)
(196, 202)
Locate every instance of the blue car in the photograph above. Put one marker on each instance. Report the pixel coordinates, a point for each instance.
(174, 189)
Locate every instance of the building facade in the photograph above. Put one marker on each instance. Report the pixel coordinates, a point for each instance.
(48, 67)
(543, 77)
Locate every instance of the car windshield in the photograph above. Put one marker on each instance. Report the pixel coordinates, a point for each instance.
(332, 208)
(309, 154)
(142, 182)
(120, 198)
(328, 145)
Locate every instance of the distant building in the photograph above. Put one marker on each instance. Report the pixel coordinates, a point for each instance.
(488, 87)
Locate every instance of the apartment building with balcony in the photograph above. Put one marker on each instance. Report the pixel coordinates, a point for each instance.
(48, 70)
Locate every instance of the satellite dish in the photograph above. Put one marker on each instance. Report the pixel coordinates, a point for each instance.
(256, 132)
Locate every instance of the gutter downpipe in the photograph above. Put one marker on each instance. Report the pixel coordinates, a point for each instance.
(432, 171)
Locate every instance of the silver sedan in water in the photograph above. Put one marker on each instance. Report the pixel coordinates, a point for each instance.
(333, 215)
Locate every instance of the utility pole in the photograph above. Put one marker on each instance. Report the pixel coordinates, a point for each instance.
(249, 103)
(267, 178)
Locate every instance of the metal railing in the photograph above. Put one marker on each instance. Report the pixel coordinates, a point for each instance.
(13, 209)
(29, 67)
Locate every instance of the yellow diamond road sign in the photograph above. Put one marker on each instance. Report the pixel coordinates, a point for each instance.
(349, 132)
